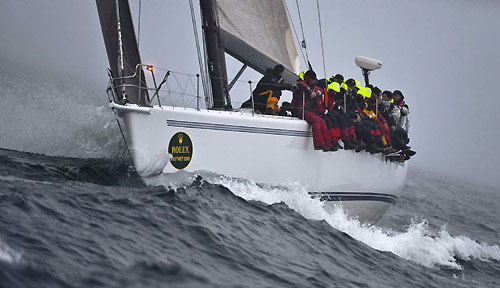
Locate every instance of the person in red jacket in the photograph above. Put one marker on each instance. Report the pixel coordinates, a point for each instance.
(324, 109)
(332, 125)
(304, 105)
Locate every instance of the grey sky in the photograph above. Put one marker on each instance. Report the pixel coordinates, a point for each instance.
(443, 55)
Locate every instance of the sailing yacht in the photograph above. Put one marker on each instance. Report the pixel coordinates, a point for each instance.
(273, 150)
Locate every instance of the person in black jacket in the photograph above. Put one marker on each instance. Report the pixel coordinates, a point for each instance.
(385, 108)
(268, 91)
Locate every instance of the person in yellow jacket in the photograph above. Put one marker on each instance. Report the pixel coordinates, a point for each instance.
(268, 91)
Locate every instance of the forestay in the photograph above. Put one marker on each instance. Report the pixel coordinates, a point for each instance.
(259, 33)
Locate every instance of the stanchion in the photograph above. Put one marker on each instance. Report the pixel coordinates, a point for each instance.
(251, 96)
(198, 92)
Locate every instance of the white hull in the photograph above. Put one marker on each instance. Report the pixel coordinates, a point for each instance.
(266, 149)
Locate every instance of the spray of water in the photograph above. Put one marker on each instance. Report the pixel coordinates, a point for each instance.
(417, 242)
(47, 118)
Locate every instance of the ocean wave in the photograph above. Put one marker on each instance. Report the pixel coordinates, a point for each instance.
(417, 242)
(72, 225)
(15, 166)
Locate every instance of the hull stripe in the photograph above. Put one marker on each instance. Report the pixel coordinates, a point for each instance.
(238, 128)
(354, 196)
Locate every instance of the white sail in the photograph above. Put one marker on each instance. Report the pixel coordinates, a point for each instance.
(259, 33)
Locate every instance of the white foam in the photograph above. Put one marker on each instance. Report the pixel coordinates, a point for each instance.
(417, 243)
(8, 254)
(171, 180)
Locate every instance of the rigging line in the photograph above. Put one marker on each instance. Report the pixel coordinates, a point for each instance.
(303, 44)
(124, 139)
(139, 26)
(321, 37)
(197, 41)
(296, 35)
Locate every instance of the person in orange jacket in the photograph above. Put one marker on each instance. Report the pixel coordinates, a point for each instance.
(268, 91)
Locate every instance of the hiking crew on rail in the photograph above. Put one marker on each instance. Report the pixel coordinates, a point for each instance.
(363, 118)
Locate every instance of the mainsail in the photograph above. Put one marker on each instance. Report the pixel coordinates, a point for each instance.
(259, 33)
(108, 18)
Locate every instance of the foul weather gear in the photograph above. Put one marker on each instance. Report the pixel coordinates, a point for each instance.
(365, 92)
(334, 86)
(304, 105)
(269, 86)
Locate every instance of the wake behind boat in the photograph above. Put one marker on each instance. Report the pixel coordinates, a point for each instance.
(169, 138)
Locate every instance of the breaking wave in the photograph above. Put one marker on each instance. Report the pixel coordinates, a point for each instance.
(417, 242)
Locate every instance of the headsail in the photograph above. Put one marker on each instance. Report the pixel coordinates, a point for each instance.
(259, 33)
(108, 18)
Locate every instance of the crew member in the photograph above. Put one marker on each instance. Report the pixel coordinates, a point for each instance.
(304, 106)
(268, 91)
(399, 111)
(336, 112)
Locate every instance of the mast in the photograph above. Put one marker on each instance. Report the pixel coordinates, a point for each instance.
(216, 60)
(123, 57)
(121, 62)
